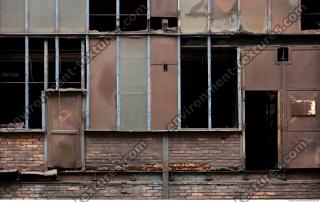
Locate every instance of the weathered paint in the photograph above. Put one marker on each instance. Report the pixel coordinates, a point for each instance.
(164, 8)
(224, 15)
(12, 16)
(261, 72)
(254, 16)
(194, 16)
(103, 85)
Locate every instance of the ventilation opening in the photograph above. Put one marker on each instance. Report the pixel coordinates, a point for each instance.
(194, 85)
(158, 23)
(103, 15)
(310, 16)
(12, 78)
(133, 15)
(36, 81)
(261, 129)
(224, 88)
(283, 54)
(70, 63)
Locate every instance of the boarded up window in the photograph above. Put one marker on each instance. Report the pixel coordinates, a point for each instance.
(11, 16)
(42, 16)
(74, 21)
(133, 83)
(254, 15)
(261, 72)
(304, 72)
(64, 126)
(103, 84)
(164, 8)
(164, 82)
(194, 16)
(224, 15)
(303, 113)
(280, 9)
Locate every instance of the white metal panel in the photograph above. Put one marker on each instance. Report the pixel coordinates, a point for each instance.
(12, 16)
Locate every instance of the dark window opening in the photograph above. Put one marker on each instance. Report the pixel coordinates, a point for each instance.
(261, 130)
(52, 63)
(36, 81)
(310, 16)
(283, 54)
(70, 63)
(224, 88)
(12, 82)
(194, 85)
(133, 15)
(163, 23)
(103, 15)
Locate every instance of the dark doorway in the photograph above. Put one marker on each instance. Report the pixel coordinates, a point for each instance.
(261, 130)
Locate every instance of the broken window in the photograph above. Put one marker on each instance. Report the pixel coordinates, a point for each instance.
(133, 15)
(12, 16)
(51, 63)
(261, 129)
(194, 83)
(103, 15)
(224, 15)
(310, 16)
(12, 82)
(224, 88)
(70, 63)
(194, 16)
(164, 14)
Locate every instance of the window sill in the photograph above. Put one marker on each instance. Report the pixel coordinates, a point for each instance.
(12, 130)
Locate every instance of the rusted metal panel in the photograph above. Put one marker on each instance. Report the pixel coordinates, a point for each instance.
(262, 72)
(164, 82)
(254, 16)
(303, 73)
(302, 150)
(311, 122)
(103, 85)
(133, 83)
(75, 21)
(42, 16)
(224, 15)
(164, 8)
(12, 16)
(194, 16)
(280, 9)
(64, 126)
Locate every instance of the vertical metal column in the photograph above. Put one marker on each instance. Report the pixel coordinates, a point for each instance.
(239, 87)
(209, 85)
(82, 66)
(209, 15)
(45, 85)
(88, 83)
(26, 69)
(179, 82)
(118, 15)
(57, 61)
(239, 16)
(148, 14)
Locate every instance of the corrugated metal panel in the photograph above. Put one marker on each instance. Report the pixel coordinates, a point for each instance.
(74, 21)
(254, 15)
(224, 15)
(194, 16)
(262, 72)
(12, 16)
(280, 9)
(64, 126)
(303, 123)
(304, 154)
(164, 83)
(164, 8)
(133, 83)
(103, 85)
(304, 72)
(42, 16)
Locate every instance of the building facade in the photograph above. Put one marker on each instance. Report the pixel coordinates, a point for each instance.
(159, 99)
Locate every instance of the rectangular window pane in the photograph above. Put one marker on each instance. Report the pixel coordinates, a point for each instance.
(73, 16)
(11, 16)
(133, 83)
(224, 15)
(254, 15)
(42, 16)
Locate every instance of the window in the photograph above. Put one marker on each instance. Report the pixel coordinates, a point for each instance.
(12, 16)
(310, 16)
(164, 14)
(42, 17)
(103, 15)
(12, 85)
(133, 15)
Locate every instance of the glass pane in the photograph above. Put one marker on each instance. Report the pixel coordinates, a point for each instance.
(42, 16)
(11, 16)
(194, 16)
(74, 21)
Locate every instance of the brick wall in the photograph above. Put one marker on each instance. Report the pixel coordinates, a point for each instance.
(22, 152)
(205, 151)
